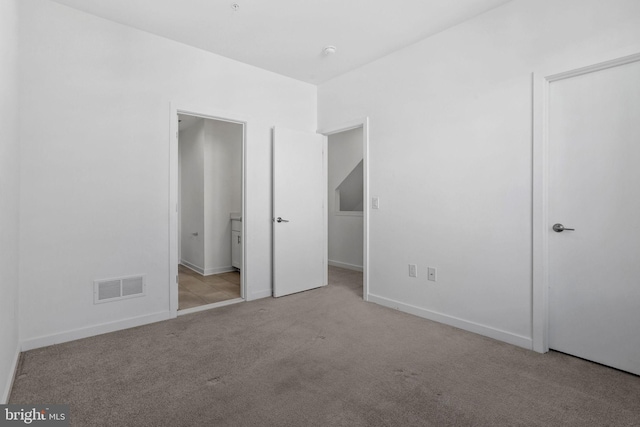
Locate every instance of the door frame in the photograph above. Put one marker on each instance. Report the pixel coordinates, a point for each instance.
(540, 237)
(342, 127)
(205, 113)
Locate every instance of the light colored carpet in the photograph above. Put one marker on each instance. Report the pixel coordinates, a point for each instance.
(319, 358)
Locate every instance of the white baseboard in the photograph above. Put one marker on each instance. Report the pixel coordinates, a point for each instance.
(91, 331)
(218, 270)
(477, 328)
(208, 271)
(260, 294)
(193, 267)
(209, 306)
(7, 389)
(345, 265)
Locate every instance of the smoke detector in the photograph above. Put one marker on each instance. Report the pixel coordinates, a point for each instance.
(235, 7)
(329, 50)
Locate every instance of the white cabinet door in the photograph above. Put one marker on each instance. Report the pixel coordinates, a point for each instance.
(236, 249)
(299, 217)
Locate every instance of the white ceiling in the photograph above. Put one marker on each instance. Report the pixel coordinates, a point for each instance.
(287, 36)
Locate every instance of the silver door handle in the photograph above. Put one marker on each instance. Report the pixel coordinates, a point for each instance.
(559, 228)
(281, 220)
(194, 234)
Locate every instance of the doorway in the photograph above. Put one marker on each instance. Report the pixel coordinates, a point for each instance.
(589, 238)
(209, 212)
(347, 203)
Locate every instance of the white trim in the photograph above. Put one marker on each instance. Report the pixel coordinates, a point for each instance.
(208, 271)
(209, 306)
(13, 370)
(487, 331)
(325, 211)
(192, 267)
(261, 294)
(94, 330)
(540, 279)
(540, 261)
(594, 67)
(345, 265)
(344, 126)
(352, 124)
(244, 284)
(219, 270)
(206, 113)
(273, 210)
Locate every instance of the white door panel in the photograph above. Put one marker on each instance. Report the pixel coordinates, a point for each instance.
(299, 193)
(594, 187)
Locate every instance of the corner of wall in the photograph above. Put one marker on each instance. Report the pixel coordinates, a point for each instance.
(6, 394)
(10, 189)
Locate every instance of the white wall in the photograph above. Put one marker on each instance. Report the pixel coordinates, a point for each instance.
(450, 154)
(191, 158)
(222, 189)
(95, 169)
(345, 230)
(9, 189)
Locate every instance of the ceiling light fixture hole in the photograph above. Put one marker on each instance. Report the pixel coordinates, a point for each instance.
(235, 7)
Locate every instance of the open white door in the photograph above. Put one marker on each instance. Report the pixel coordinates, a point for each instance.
(299, 223)
(594, 209)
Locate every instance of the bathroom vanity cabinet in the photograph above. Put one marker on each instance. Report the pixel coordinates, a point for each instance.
(236, 243)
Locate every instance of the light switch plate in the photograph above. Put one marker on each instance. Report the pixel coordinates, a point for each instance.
(413, 270)
(375, 203)
(431, 274)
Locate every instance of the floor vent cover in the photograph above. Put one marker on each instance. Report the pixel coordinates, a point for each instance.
(117, 289)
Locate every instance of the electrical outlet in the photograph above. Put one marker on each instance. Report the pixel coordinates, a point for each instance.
(413, 270)
(431, 274)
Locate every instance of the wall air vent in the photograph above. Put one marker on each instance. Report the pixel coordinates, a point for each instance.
(118, 289)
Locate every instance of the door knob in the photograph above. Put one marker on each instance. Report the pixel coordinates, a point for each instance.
(559, 228)
(281, 220)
